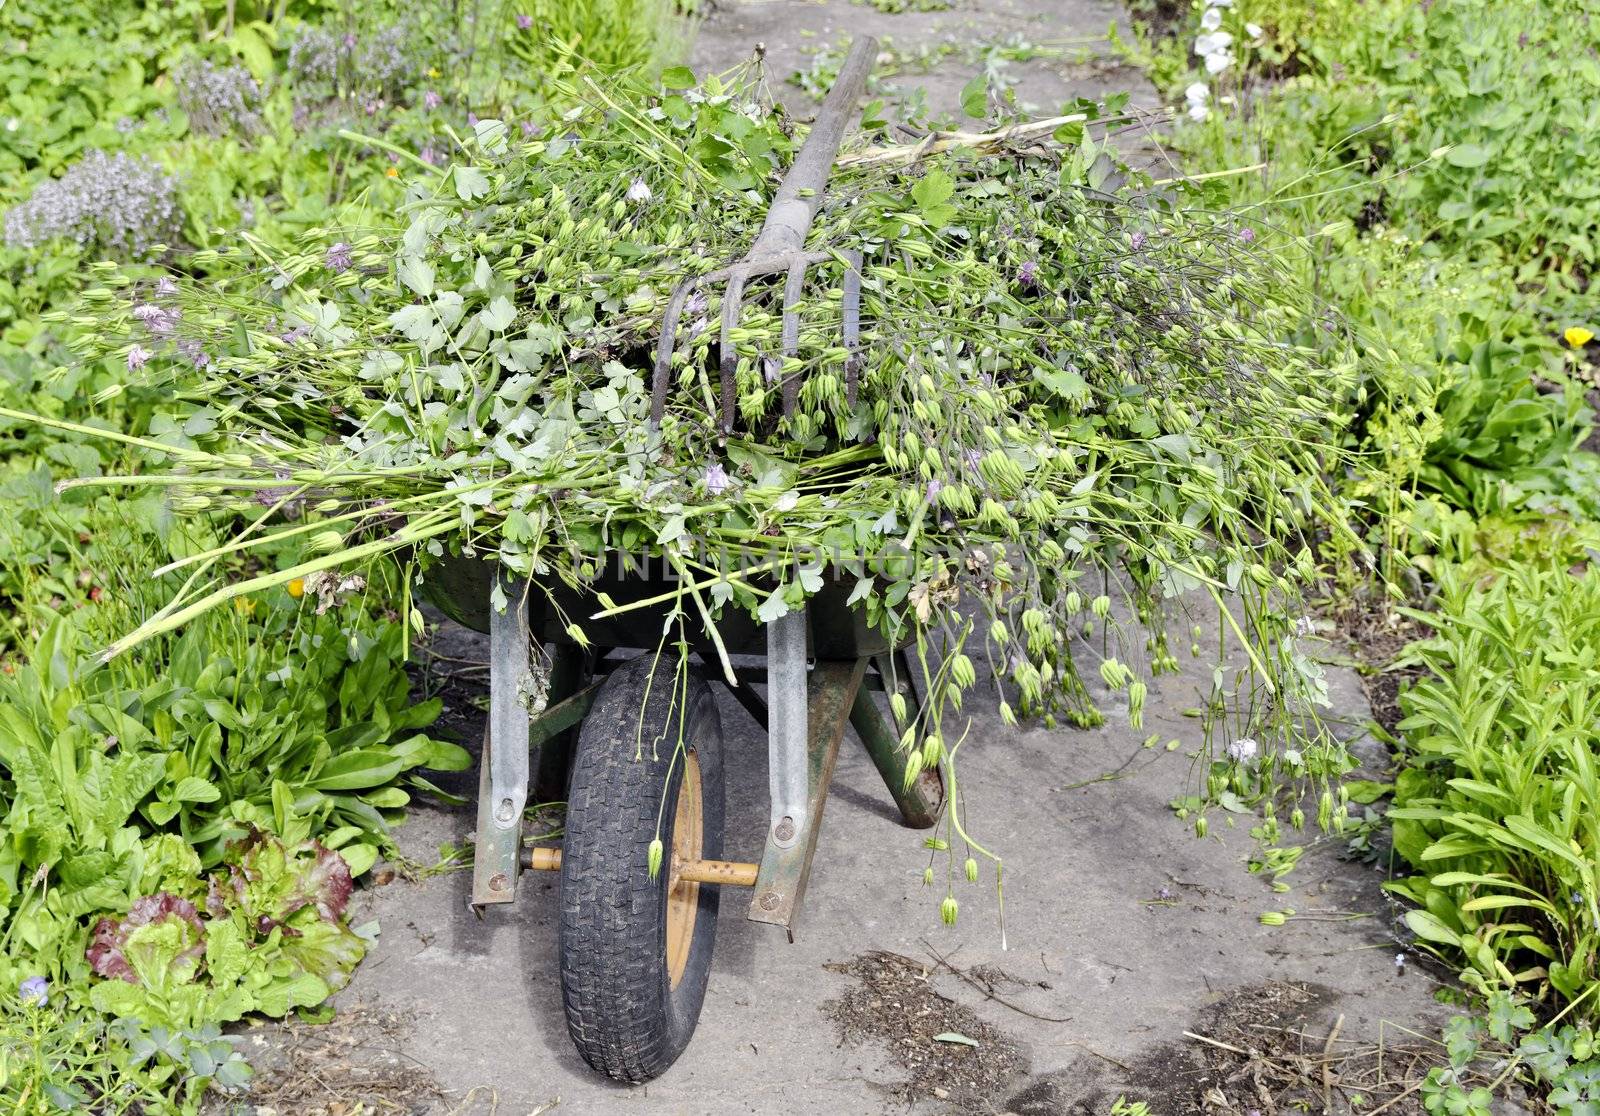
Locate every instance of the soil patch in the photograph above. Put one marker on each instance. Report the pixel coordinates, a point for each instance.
(348, 1066)
(893, 1003)
(1267, 1048)
(1377, 634)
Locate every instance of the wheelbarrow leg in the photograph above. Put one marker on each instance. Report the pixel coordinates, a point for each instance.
(503, 771)
(785, 869)
(921, 800)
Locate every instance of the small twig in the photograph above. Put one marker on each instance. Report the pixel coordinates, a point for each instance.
(1327, 1065)
(990, 993)
(1217, 1044)
(1396, 1099)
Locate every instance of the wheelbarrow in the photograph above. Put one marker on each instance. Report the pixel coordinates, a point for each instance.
(635, 943)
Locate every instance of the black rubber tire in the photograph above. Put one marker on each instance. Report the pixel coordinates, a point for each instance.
(624, 1016)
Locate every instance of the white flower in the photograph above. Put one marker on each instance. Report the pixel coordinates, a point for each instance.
(1214, 43)
(1254, 31)
(1220, 3)
(1212, 19)
(638, 191)
(1198, 112)
(1216, 63)
(1197, 94)
(1304, 626)
(1242, 750)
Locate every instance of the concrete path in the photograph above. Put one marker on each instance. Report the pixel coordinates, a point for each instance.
(1124, 931)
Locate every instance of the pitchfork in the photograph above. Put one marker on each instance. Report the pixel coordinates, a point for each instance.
(780, 246)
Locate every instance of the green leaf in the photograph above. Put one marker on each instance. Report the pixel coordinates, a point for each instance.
(471, 183)
(955, 1037)
(1468, 155)
(975, 97)
(358, 770)
(416, 273)
(195, 789)
(499, 314)
(678, 77)
(932, 193)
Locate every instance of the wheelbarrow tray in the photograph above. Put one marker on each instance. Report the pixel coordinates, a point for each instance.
(460, 587)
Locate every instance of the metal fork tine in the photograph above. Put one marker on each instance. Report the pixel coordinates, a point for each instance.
(852, 324)
(664, 347)
(732, 303)
(791, 329)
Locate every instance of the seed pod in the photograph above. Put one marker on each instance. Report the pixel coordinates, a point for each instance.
(962, 671)
(655, 858)
(972, 870)
(1298, 818)
(927, 877)
(897, 706)
(948, 909)
(998, 633)
(1200, 826)
(932, 750)
(1101, 606)
(913, 768)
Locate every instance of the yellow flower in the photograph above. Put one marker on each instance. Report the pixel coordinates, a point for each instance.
(1577, 336)
(297, 587)
(433, 71)
(392, 171)
(244, 606)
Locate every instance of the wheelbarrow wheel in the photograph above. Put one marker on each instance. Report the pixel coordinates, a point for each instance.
(636, 949)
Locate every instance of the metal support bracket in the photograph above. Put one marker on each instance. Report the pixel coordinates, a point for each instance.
(786, 726)
(781, 880)
(503, 771)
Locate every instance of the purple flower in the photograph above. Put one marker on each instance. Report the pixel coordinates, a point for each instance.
(529, 129)
(935, 486)
(1137, 241)
(138, 357)
(193, 353)
(35, 990)
(219, 100)
(431, 100)
(165, 287)
(298, 333)
(350, 41)
(1028, 273)
(110, 205)
(771, 369)
(430, 156)
(158, 321)
(697, 304)
(1247, 234)
(337, 258)
(717, 479)
(524, 22)
(973, 458)
(472, 120)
